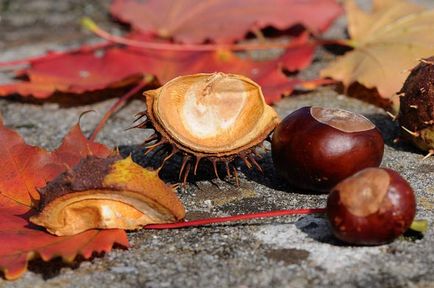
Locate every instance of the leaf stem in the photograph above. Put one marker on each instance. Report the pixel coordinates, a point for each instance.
(202, 222)
(92, 26)
(117, 105)
(341, 42)
(419, 226)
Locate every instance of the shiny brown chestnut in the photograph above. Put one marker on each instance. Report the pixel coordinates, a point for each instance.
(314, 148)
(372, 207)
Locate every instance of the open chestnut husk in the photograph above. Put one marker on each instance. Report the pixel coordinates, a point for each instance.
(208, 116)
(314, 148)
(372, 207)
(106, 193)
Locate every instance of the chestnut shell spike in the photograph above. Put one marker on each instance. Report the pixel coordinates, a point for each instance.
(314, 148)
(217, 117)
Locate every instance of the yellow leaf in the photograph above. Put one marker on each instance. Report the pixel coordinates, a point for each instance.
(387, 43)
(106, 193)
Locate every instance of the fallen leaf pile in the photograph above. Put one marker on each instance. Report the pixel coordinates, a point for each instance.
(387, 42)
(170, 38)
(220, 22)
(24, 169)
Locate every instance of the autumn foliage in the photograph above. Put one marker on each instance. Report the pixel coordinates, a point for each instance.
(179, 37)
(24, 169)
(108, 66)
(388, 42)
(224, 21)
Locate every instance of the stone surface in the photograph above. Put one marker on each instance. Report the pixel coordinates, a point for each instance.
(281, 252)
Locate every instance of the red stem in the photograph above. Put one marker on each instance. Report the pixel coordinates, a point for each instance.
(162, 46)
(201, 222)
(180, 47)
(118, 104)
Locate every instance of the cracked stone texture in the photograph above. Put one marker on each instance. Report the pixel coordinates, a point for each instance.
(281, 252)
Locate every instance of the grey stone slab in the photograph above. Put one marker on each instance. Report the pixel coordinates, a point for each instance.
(282, 252)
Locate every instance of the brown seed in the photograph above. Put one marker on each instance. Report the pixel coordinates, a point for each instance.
(416, 113)
(314, 148)
(372, 207)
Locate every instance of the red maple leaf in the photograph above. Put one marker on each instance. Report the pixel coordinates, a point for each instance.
(25, 169)
(79, 71)
(95, 69)
(88, 70)
(223, 21)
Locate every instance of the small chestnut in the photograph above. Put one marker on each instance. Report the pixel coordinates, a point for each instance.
(372, 207)
(314, 148)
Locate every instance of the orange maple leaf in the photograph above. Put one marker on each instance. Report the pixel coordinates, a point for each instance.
(25, 169)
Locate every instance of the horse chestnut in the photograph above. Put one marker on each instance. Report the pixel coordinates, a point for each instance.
(416, 114)
(314, 148)
(372, 207)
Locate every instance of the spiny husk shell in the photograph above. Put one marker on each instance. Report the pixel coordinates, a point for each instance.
(416, 114)
(211, 114)
(106, 193)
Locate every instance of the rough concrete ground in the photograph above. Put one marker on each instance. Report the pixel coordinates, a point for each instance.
(281, 252)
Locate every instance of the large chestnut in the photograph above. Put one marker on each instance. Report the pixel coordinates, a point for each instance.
(372, 207)
(314, 148)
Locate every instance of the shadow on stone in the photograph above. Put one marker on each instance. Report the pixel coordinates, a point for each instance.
(271, 179)
(170, 170)
(52, 268)
(412, 235)
(69, 100)
(390, 131)
(318, 228)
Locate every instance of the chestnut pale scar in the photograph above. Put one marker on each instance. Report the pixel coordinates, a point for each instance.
(343, 120)
(363, 196)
